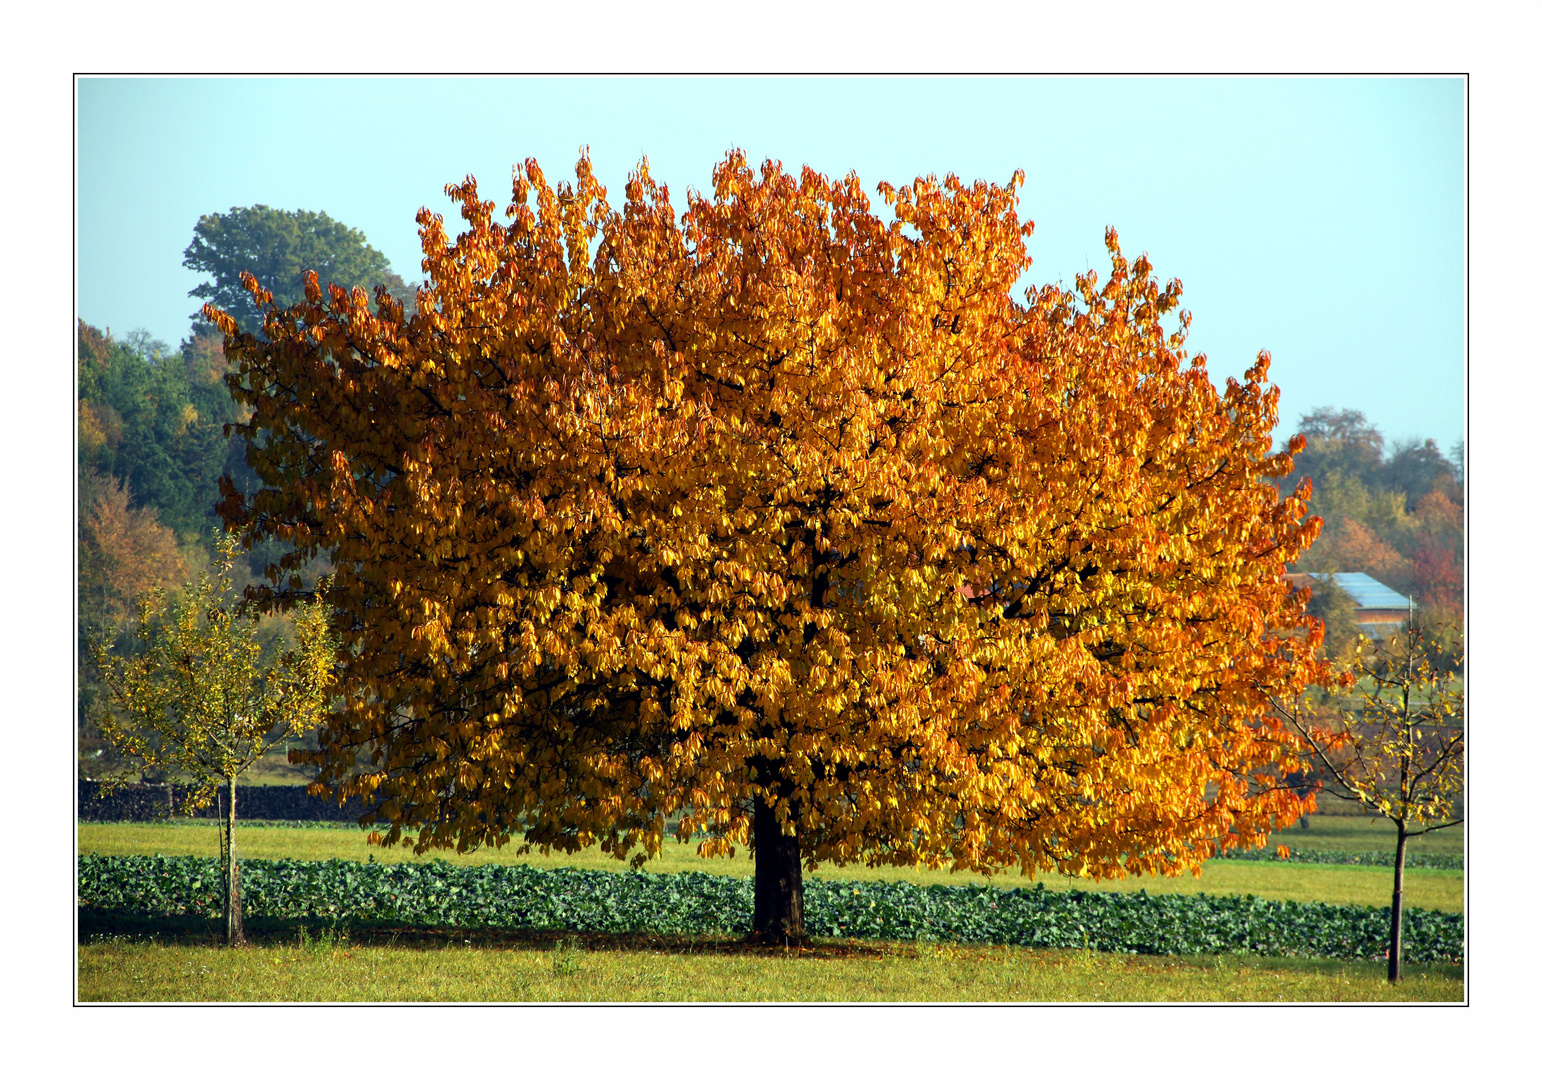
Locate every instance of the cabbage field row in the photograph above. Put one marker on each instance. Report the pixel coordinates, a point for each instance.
(437, 894)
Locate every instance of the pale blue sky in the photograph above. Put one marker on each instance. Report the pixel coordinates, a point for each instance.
(1322, 219)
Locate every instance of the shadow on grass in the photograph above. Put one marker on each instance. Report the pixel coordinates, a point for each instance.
(97, 924)
(94, 924)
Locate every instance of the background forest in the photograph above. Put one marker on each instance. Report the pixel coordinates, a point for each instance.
(151, 431)
(1397, 516)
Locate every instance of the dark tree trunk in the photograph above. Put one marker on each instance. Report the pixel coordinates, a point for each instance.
(234, 934)
(1395, 948)
(778, 882)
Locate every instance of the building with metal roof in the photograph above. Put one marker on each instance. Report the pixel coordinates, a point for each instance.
(1379, 609)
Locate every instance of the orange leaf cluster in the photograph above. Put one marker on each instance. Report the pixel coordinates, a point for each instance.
(645, 516)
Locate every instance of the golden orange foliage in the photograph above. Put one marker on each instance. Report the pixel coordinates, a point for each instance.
(124, 549)
(1356, 545)
(646, 514)
(1441, 518)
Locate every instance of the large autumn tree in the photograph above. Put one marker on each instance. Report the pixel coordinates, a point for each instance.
(786, 522)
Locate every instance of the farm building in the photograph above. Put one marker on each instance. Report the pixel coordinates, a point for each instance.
(1379, 609)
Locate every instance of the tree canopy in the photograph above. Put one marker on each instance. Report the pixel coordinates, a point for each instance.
(790, 521)
(279, 247)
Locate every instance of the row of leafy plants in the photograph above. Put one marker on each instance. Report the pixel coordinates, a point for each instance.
(345, 892)
(1411, 861)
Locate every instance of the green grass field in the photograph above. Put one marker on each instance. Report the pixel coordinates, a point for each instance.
(479, 967)
(1336, 832)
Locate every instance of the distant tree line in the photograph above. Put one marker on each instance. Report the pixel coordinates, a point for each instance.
(1396, 516)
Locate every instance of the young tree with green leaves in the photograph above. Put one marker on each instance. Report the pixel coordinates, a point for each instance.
(196, 697)
(1397, 747)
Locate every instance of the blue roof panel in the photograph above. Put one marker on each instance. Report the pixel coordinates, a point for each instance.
(1367, 592)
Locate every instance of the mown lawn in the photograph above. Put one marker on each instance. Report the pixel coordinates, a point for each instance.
(476, 966)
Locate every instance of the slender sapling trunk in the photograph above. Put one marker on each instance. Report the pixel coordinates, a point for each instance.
(1395, 949)
(234, 934)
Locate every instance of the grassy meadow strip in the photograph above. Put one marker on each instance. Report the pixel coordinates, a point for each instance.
(483, 967)
(1365, 832)
(1319, 856)
(1326, 856)
(523, 897)
(1440, 890)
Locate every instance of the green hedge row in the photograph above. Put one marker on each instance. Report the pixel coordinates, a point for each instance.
(1411, 860)
(180, 822)
(157, 802)
(438, 894)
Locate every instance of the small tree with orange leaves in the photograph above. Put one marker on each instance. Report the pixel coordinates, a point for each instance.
(789, 522)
